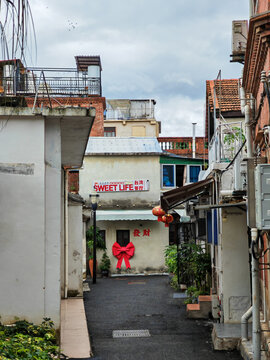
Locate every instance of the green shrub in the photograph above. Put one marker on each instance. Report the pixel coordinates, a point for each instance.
(194, 265)
(174, 283)
(193, 293)
(26, 341)
(171, 258)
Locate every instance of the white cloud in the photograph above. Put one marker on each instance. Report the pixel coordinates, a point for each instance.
(149, 48)
(178, 114)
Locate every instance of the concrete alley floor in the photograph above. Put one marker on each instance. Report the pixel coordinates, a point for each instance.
(145, 303)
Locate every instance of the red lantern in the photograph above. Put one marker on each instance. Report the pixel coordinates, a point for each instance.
(157, 211)
(167, 218)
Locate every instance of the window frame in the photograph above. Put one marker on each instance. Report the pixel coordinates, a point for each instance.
(109, 132)
(186, 169)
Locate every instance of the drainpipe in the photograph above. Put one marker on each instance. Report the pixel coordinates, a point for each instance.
(256, 330)
(245, 109)
(244, 324)
(66, 235)
(194, 141)
(248, 131)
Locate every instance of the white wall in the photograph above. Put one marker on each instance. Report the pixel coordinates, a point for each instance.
(149, 250)
(122, 168)
(52, 219)
(75, 250)
(22, 222)
(30, 214)
(234, 274)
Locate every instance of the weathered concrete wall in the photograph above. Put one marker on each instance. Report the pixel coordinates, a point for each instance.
(234, 274)
(149, 250)
(30, 220)
(52, 219)
(122, 168)
(22, 214)
(75, 250)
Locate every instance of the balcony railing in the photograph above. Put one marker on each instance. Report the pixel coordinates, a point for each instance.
(130, 113)
(226, 142)
(64, 82)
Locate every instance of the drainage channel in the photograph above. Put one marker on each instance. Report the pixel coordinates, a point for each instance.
(130, 333)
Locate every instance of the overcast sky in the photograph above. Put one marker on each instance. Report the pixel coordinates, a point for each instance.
(158, 49)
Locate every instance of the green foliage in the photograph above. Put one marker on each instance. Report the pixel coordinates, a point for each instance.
(174, 283)
(194, 264)
(171, 258)
(235, 135)
(100, 244)
(24, 340)
(193, 292)
(231, 139)
(105, 263)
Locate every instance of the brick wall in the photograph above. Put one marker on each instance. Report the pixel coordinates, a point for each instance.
(99, 104)
(73, 182)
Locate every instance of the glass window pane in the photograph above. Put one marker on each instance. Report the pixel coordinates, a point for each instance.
(194, 173)
(168, 176)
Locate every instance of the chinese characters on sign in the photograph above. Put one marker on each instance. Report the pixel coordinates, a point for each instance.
(138, 233)
(125, 185)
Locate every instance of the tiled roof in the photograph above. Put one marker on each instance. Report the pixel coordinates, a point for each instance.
(226, 94)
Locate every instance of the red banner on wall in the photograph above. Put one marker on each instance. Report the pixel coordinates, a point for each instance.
(125, 185)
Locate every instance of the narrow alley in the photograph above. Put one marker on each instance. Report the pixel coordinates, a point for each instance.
(145, 303)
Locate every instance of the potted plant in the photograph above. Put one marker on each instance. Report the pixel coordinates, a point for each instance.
(100, 244)
(105, 265)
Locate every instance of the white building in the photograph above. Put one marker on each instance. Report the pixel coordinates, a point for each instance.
(126, 174)
(36, 145)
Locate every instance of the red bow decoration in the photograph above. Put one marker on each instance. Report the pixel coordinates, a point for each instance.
(123, 252)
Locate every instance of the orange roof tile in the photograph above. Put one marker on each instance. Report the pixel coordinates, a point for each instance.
(225, 93)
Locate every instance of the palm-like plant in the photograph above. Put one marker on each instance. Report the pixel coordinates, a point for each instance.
(16, 27)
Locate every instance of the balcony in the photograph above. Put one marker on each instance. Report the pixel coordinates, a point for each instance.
(48, 82)
(226, 142)
(121, 109)
(183, 146)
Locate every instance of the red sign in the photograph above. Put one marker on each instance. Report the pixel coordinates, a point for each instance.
(116, 186)
(137, 233)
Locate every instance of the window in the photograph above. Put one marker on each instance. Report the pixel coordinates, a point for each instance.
(168, 176)
(122, 237)
(194, 173)
(173, 175)
(109, 132)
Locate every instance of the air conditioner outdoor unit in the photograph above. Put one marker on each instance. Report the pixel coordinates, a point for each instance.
(239, 40)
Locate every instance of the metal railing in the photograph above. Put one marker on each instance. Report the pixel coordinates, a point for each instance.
(130, 113)
(37, 81)
(226, 141)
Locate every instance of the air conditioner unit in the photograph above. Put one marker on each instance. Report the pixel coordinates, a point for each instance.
(239, 40)
(240, 176)
(262, 196)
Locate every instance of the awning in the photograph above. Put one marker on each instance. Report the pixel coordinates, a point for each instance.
(119, 215)
(170, 199)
